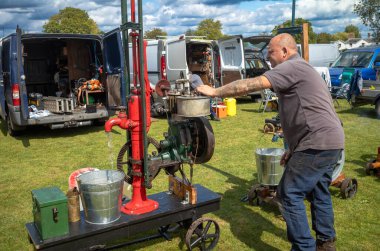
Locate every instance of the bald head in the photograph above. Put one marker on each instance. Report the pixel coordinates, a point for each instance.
(280, 48)
(286, 40)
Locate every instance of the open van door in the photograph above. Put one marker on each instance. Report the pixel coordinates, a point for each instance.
(176, 58)
(2, 97)
(114, 67)
(18, 75)
(231, 59)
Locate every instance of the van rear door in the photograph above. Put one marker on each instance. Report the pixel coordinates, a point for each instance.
(2, 97)
(20, 76)
(231, 59)
(176, 59)
(114, 67)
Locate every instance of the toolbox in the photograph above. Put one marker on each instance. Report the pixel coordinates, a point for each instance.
(58, 104)
(50, 212)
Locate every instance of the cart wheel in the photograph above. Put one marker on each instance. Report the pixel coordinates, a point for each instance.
(253, 198)
(348, 188)
(269, 128)
(203, 234)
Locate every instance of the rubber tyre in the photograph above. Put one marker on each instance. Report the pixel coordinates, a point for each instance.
(12, 129)
(377, 108)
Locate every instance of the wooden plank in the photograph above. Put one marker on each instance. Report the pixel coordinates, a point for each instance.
(184, 191)
(305, 41)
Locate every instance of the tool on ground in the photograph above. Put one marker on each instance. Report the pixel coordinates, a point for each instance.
(374, 165)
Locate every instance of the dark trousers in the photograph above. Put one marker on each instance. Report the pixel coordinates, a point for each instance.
(308, 175)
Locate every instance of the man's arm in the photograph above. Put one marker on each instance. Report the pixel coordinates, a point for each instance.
(236, 88)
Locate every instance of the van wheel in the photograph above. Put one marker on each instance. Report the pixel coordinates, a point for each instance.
(12, 129)
(377, 108)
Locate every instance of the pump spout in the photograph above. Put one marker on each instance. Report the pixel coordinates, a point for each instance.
(111, 123)
(122, 121)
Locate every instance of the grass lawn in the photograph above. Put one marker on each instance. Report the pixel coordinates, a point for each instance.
(42, 157)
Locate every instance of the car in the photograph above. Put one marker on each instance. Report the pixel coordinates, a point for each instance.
(363, 59)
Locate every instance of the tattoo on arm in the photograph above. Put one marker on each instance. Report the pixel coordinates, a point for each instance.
(240, 87)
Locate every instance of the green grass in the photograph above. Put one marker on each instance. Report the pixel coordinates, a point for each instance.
(42, 157)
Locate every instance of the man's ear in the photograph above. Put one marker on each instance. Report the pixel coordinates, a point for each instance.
(284, 52)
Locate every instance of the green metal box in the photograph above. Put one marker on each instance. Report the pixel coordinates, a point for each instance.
(50, 212)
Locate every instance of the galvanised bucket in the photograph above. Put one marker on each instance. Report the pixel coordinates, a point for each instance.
(101, 193)
(269, 170)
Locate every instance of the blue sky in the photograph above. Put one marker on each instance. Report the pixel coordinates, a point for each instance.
(250, 17)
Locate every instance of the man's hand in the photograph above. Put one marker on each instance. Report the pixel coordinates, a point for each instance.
(284, 158)
(206, 90)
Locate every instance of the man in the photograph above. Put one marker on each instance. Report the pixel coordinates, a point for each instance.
(195, 81)
(313, 133)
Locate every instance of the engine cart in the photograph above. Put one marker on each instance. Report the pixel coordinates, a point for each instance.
(188, 141)
(374, 165)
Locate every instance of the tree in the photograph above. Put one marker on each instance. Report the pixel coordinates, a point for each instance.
(324, 38)
(353, 29)
(298, 22)
(153, 33)
(342, 36)
(369, 13)
(71, 20)
(210, 29)
(190, 32)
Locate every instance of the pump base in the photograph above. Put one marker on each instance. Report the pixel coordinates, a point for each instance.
(140, 207)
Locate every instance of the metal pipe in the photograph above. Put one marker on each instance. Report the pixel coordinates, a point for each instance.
(293, 12)
(143, 91)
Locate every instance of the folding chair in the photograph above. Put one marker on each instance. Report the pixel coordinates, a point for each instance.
(267, 96)
(342, 90)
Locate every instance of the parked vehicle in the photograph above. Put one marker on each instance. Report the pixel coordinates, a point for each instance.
(369, 94)
(321, 55)
(57, 72)
(242, 58)
(174, 58)
(363, 59)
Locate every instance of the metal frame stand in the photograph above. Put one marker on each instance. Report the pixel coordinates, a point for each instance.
(86, 236)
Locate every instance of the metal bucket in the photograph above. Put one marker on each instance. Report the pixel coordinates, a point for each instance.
(193, 106)
(269, 170)
(101, 192)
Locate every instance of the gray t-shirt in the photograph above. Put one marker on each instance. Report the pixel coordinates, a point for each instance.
(195, 81)
(306, 109)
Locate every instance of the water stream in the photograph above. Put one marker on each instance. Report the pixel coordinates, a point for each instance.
(111, 155)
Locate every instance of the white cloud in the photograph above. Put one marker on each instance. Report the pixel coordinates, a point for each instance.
(175, 17)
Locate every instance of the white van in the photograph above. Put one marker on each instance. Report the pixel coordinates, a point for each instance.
(174, 58)
(242, 58)
(321, 55)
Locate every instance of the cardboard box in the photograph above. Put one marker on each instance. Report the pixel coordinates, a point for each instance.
(220, 110)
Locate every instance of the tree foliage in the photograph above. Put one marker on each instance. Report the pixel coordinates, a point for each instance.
(298, 22)
(209, 28)
(324, 38)
(353, 29)
(153, 33)
(190, 32)
(369, 13)
(343, 36)
(71, 20)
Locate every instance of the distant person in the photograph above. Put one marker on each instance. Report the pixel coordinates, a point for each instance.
(196, 81)
(313, 133)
